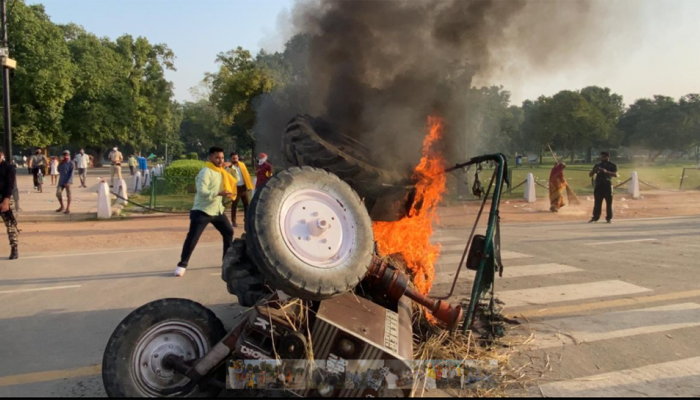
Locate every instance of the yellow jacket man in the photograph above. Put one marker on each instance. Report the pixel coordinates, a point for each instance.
(243, 185)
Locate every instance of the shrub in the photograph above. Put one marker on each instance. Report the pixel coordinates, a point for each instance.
(193, 156)
(180, 176)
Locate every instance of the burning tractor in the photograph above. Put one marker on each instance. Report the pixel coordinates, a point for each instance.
(311, 274)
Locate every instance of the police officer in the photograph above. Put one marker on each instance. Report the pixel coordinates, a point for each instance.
(8, 178)
(604, 172)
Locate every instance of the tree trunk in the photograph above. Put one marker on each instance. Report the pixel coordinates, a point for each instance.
(573, 154)
(541, 156)
(589, 155)
(98, 154)
(655, 156)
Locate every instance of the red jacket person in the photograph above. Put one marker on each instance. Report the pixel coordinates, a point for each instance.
(264, 171)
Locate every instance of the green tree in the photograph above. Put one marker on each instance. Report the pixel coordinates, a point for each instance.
(533, 131)
(611, 106)
(202, 128)
(100, 111)
(42, 83)
(239, 80)
(658, 124)
(571, 122)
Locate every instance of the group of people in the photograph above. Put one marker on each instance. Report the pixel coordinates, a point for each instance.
(603, 172)
(135, 162)
(443, 376)
(220, 180)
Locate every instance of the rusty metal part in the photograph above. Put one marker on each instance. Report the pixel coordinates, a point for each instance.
(394, 284)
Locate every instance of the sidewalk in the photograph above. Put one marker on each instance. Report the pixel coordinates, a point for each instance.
(41, 207)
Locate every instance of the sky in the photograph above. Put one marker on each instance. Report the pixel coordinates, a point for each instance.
(662, 58)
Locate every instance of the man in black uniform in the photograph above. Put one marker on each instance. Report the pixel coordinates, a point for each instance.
(8, 177)
(604, 173)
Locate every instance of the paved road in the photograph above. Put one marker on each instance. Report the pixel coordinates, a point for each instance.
(57, 313)
(615, 309)
(629, 291)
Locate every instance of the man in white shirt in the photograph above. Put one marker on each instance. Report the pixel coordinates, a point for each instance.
(82, 161)
(391, 379)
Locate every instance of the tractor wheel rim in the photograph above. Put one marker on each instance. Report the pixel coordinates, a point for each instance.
(317, 228)
(176, 338)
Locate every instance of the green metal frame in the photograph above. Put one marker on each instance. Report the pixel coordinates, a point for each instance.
(486, 273)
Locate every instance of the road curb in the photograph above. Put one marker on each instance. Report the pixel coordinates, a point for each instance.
(55, 218)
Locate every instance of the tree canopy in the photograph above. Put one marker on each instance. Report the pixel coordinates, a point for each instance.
(71, 86)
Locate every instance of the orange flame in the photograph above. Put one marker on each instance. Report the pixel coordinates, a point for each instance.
(410, 236)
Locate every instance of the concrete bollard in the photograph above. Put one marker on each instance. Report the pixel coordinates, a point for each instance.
(530, 195)
(633, 189)
(104, 201)
(138, 182)
(123, 192)
(147, 178)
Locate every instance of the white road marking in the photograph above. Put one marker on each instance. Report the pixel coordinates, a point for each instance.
(40, 289)
(118, 251)
(621, 241)
(556, 294)
(512, 272)
(453, 247)
(670, 379)
(439, 239)
(620, 324)
(505, 255)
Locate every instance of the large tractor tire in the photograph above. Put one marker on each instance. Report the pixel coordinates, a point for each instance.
(243, 278)
(309, 234)
(311, 142)
(132, 365)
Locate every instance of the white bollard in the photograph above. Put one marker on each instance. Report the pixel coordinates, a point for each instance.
(633, 189)
(104, 201)
(147, 179)
(123, 192)
(530, 195)
(138, 182)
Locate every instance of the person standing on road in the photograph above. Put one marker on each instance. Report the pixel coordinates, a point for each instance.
(557, 187)
(116, 158)
(244, 185)
(264, 172)
(213, 185)
(143, 165)
(604, 172)
(54, 170)
(37, 163)
(65, 181)
(8, 180)
(82, 161)
(391, 380)
(132, 165)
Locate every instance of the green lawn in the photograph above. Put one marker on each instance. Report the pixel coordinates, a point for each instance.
(169, 202)
(667, 177)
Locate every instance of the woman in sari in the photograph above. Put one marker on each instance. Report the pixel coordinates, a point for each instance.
(557, 187)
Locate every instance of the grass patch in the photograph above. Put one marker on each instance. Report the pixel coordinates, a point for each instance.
(169, 202)
(665, 177)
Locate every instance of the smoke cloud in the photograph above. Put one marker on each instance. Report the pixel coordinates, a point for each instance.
(376, 69)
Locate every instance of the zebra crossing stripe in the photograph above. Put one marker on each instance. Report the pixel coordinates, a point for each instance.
(512, 272)
(670, 379)
(616, 325)
(556, 294)
(505, 255)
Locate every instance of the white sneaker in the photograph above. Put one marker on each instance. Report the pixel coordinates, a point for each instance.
(179, 271)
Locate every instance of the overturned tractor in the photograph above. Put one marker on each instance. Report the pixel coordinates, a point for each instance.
(309, 271)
